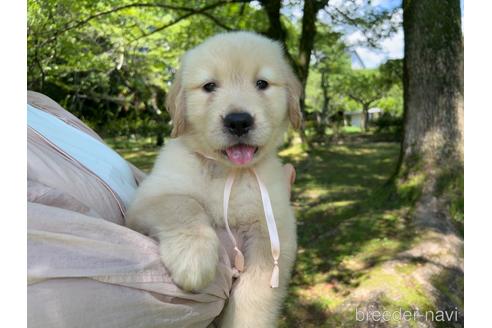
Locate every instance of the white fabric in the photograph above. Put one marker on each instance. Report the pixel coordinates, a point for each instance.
(86, 272)
(90, 152)
(84, 267)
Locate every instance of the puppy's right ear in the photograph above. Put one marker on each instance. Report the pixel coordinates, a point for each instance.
(294, 90)
(175, 104)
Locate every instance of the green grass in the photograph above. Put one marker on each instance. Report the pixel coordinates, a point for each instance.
(345, 130)
(351, 129)
(451, 186)
(141, 152)
(350, 221)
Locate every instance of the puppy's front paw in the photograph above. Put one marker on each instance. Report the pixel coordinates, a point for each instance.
(191, 260)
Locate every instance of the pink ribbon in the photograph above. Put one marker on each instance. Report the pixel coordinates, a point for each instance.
(270, 220)
(271, 225)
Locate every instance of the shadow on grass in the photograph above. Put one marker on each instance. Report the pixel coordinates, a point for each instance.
(349, 221)
(451, 289)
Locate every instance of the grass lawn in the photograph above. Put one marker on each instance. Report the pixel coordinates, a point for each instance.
(347, 130)
(349, 223)
(140, 152)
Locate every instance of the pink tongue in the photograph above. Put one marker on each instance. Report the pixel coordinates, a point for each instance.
(240, 154)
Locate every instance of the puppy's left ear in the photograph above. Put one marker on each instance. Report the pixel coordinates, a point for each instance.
(294, 91)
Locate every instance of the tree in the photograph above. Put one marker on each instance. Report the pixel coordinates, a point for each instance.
(392, 76)
(433, 86)
(108, 62)
(301, 60)
(331, 61)
(373, 23)
(392, 72)
(365, 87)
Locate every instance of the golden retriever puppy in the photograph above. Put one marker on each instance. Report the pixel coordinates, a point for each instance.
(231, 103)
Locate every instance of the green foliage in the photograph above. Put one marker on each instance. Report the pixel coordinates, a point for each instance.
(111, 63)
(114, 60)
(392, 72)
(388, 123)
(331, 63)
(392, 102)
(364, 86)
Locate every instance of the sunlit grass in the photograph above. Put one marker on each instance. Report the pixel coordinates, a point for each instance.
(349, 223)
(141, 152)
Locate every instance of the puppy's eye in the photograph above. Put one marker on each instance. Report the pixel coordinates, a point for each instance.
(209, 87)
(261, 84)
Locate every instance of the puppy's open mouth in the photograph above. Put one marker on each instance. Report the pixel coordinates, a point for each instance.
(240, 154)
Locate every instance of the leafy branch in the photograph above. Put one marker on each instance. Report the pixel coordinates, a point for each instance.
(373, 25)
(189, 12)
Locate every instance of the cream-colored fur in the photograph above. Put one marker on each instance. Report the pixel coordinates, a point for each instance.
(181, 201)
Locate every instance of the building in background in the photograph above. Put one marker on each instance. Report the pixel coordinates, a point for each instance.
(355, 118)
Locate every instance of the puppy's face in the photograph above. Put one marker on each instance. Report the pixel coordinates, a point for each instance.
(233, 98)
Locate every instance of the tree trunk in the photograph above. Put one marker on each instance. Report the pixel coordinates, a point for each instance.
(306, 44)
(160, 138)
(323, 116)
(326, 98)
(365, 118)
(306, 41)
(432, 146)
(433, 84)
(156, 103)
(275, 28)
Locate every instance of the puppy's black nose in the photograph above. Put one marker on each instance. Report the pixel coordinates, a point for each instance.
(238, 123)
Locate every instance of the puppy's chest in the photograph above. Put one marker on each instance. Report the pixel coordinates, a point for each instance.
(245, 205)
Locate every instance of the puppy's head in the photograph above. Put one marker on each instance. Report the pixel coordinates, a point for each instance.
(233, 98)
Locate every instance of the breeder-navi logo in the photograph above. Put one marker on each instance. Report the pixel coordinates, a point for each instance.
(406, 315)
